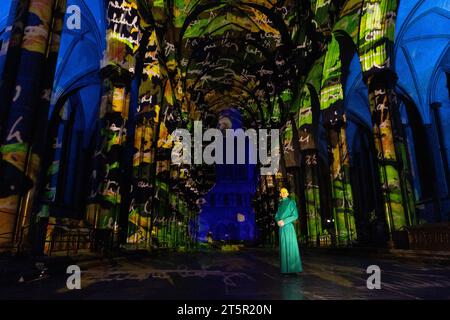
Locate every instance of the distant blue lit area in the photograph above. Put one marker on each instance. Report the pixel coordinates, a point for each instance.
(228, 214)
(5, 23)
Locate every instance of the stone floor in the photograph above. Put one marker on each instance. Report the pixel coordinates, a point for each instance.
(248, 274)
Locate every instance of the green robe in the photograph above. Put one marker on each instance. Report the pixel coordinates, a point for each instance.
(289, 252)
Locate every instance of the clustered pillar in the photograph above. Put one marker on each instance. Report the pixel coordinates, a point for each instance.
(389, 144)
(26, 89)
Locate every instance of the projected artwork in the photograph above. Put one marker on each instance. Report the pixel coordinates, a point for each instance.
(288, 146)
(147, 118)
(124, 33)
(312, 196)
(34, 54)
(386, 147)
(341, 187)
(376, 36)
(321, 72)
(332, 91)
(111, 121)
(349, 19)
(305, 122)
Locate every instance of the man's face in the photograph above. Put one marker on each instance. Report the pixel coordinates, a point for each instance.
(284, 194)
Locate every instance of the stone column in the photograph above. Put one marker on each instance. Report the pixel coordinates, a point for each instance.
(389, 143)
(123, 39)
(114, 116)
(312, 195)
(342, 193)
(27, 94)
(140, 218)
(443, 145)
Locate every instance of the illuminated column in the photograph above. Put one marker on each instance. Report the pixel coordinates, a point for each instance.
(312, 196)
(123, 38)
(27, 90)
(34, 235)
(114, 116)
(140, 219)
(392, 162)
(333, 115)
(344, 219)
(375, 48)
(170, 118)
(307, 146)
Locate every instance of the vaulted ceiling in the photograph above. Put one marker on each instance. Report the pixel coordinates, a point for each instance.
(244, 54)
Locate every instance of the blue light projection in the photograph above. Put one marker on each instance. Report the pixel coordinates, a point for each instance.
(228, 214)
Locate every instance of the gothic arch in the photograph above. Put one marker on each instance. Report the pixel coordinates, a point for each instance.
(88, 43)
(426, 23)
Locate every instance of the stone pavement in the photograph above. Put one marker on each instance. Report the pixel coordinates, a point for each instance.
(247, 274)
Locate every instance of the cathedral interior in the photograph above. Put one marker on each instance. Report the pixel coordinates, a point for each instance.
(91, 91)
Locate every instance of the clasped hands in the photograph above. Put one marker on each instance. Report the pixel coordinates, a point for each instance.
(281, 223)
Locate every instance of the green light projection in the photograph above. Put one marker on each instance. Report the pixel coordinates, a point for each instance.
(376, 36)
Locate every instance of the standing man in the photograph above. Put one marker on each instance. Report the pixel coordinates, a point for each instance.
(289, 253)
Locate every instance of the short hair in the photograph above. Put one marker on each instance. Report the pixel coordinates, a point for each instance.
(284, 189)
